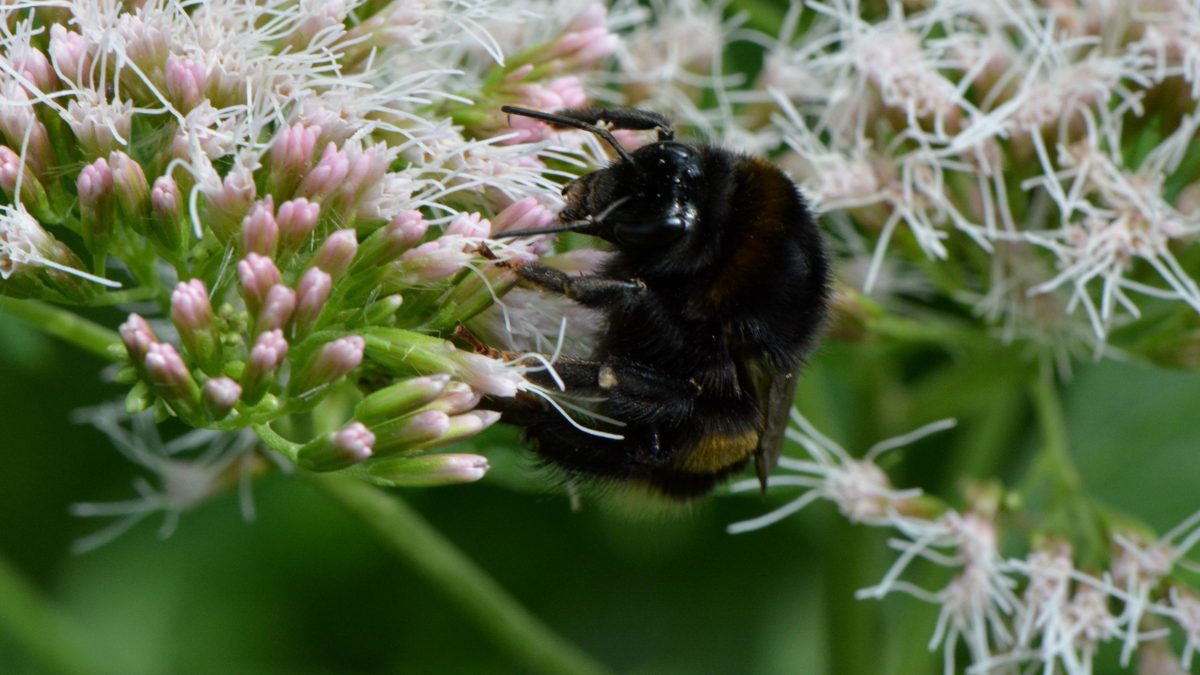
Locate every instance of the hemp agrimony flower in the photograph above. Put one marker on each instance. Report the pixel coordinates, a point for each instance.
(285, 187)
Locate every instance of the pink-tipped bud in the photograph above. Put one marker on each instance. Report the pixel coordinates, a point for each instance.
(165, 199)
(192, 314)
(488, 375)
(297, 218)
(33, 65)
(220, 395)
(94, 186)
(430, 470)
(228, 203)
(16, 174)
(523, 214)
(277, 309)
(130, 187)
(260, 232)
(366, 167)
(68, 50)
(435, 260)
(347, 446)
(292, 152)
(258, 275)
(470, 225)
(401, 233)
(266, 356)
(137, 336)
(333, 361)
(185, 80)
(456, 399)
(328, 175)
(171, 378)
(311, 294)
(585, 40)
(191, 309)
(336, 254)
(402, 434)
(166, 226)
(401, 398)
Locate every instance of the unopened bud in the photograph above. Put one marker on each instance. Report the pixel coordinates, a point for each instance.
(265, 358)
(338, 450)
(335, 360)
(258, 275)
(311, 295)
(192, 314)
(297, 218)
(336, 254)
(260, 233)
(400, 398)
(429, 470)
(220, 394)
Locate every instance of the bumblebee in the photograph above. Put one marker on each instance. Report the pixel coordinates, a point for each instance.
(716, 292)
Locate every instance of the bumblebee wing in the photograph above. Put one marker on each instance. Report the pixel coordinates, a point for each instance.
(776, 392)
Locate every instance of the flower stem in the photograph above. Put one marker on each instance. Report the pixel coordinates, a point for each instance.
(50, 640)
(410, 537)
(64, 324)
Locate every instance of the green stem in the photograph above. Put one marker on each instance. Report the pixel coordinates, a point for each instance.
(1054, 459)
(410, 537)
(53, 643)
(65, 325)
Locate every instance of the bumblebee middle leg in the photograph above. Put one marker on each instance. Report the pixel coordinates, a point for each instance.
(595, 292)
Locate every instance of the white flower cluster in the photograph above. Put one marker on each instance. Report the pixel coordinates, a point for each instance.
(1009, 613)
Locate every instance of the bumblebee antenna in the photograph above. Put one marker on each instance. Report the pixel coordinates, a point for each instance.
(564, 121)
(573, 226)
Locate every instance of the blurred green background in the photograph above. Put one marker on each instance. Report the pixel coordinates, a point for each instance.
(304, 588)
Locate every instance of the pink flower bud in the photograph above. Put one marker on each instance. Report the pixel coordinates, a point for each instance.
(277, 309)
(469, 225)
(366, 168)
(297, 218)
(524, 214)
(33, 65)
(430, 470)
(585, 40)
(185, 82)
(401, 434)
(130, 187)
(348, 446)
(327, 175)
(169, 375)
(457, 398)
(260, 232)
(311, 294)
(191, 309)
(334, 360)
(336, 254)
(488, 375)
(13, 171)
(258, 275)
(435, 260)
(165, 198)
(68, 50)
(265, 358)
(227, 203)
(192, 314)
(220, 395)
(94, 185)
(137, 336)
(292, 152)
(401, 233)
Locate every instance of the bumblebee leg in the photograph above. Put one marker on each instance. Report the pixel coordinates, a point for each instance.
(623, 118)
(588, 291)
(631, 393)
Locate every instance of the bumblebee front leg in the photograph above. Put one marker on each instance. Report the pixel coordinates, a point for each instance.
(596, 292)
